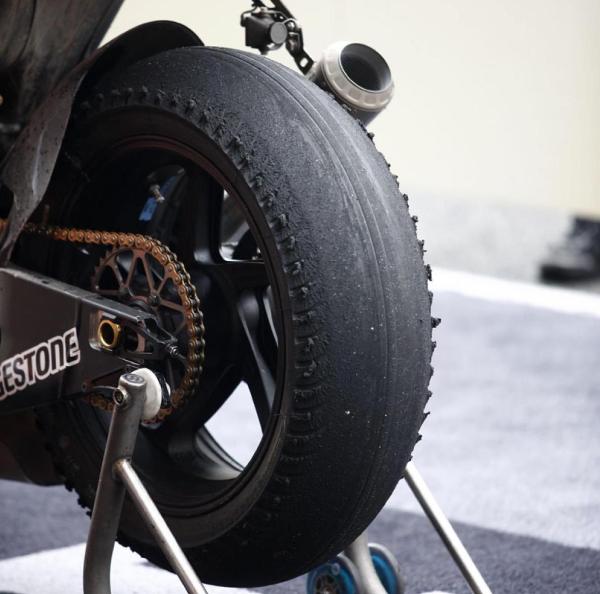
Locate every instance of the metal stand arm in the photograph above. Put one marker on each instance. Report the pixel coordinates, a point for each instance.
(360, 555)
(117, 477)
(445, 530)
(158, 527)
(358, 552)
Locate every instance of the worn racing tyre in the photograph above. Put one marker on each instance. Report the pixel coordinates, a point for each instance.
(314, 295)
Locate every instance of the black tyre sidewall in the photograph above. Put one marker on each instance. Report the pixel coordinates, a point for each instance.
(352, 284)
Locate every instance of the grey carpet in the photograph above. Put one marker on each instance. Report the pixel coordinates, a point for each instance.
(511, 450)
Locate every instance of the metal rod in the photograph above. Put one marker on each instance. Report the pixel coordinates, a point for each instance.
(117, 477)
(359, 554)
(445, 530)
(158, 527)
(110, 494)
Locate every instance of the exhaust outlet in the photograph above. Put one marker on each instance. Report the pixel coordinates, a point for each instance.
(357, 75)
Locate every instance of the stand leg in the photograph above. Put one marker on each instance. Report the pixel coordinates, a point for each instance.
(359, 554)
(110, 494)
(445, 530)
(117, 477)
(158, 527)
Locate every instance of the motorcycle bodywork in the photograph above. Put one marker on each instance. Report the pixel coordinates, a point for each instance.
(47, 53)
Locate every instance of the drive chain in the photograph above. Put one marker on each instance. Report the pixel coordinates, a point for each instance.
(185, 289)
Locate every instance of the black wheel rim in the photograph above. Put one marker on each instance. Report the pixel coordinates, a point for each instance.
(223, 245)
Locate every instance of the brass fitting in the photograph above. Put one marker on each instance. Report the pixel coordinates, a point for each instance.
(108, 334)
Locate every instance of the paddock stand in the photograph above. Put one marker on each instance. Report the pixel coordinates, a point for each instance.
(367, 568)
(362, 569)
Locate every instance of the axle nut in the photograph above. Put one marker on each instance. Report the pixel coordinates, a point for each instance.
(108, 334)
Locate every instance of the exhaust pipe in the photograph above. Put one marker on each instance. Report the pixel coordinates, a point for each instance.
(357, 75)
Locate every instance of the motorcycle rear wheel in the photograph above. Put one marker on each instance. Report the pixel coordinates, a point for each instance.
(342, 321)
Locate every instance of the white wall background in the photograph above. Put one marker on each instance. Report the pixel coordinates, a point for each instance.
(496, 100)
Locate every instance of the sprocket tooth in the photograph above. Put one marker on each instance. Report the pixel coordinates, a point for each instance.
(117, 242)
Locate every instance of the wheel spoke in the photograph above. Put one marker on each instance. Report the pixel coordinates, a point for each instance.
(215, 395)
(131, 271)
(117, 272)
(242, 275)
(259, 360)
(234, 226)
(234, 277)
(206, 211)
(174, 306)
(162, 284)
(215, 390)
(268, 328)
(150, 277)
(200, 454)
(268, 305)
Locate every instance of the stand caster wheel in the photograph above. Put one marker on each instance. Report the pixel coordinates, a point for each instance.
(338, 576)
(387, 569)
(341, 576)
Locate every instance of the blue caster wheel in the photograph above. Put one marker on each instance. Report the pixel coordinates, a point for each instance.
(387, 569)
(338, 576)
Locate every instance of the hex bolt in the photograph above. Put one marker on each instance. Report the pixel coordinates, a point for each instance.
(155, 191)
(120, 397)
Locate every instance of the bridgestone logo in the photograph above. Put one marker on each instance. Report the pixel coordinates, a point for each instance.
(39, 362)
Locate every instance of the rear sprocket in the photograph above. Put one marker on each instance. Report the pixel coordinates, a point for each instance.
(155, 281)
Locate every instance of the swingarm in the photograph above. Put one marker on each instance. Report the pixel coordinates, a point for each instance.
(60, 341)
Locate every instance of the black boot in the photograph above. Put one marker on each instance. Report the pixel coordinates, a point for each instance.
(577, 257)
